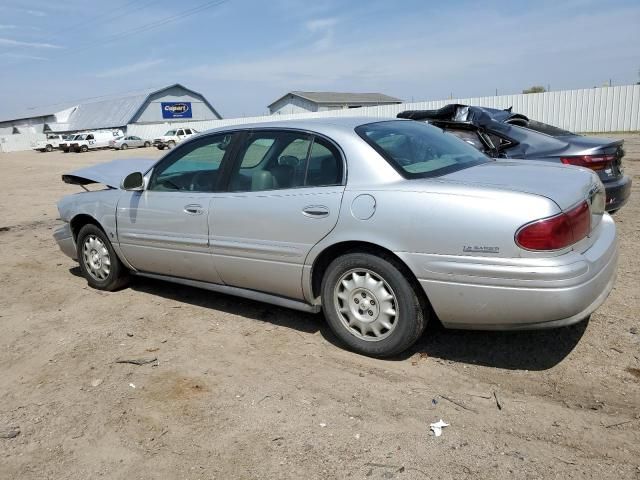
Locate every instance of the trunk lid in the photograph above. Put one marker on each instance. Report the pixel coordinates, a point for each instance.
(566, 186)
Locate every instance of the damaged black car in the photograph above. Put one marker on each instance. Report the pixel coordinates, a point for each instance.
(504, 134)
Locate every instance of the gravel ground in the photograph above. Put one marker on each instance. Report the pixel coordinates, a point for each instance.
(244, 390)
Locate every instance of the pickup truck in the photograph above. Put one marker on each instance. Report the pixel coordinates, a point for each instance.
(50, 143)
(173, 137)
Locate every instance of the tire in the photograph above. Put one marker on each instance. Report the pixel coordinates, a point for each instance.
(93, 249)
(375, 285)
(49, 148)
(171, 144)
(160, 147)
(147, 144)
(124, 146)
(84, 149)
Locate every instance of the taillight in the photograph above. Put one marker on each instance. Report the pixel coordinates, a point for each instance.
(556, 232)
(594, 162)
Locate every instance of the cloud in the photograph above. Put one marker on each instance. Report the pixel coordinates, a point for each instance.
(22, 56)
(129, 69)
(325, 27)
(17, 43)
(36, 13)
(8, 27)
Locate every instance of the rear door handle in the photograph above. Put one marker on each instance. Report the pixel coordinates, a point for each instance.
(193, 209)
(315, 211)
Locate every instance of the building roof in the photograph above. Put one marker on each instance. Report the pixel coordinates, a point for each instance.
(116, 111)
(332, 98)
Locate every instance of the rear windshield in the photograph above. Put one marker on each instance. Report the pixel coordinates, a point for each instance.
(547, 129)
(419, 150)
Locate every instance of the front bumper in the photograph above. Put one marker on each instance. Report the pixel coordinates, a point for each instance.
(618, 192)
(488, 293)
(64, 237)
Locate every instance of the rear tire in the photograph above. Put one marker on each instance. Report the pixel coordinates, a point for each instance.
(98, 261)
(147, 144)
(160, 147)
(49, 148)
(371, 306)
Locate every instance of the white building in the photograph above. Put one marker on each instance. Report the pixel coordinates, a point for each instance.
(302, 102)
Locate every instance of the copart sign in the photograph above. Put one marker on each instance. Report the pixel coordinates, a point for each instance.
(176, 109)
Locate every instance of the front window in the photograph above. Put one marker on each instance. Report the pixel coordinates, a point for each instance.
(419, 150)
(170, 133)
(193, 167)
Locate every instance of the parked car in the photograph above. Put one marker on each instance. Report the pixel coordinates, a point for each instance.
(50, 143)
(504, 134)
(93, 140)
(173, 137)
(122, 143)
(384, 225)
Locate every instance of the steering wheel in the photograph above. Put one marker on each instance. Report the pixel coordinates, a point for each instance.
(196, 183)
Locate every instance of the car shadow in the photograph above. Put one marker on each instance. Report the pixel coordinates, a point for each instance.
(524, 350)
(532, 350)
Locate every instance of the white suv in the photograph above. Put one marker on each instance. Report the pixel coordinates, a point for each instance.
(53, 141)
(172, 137)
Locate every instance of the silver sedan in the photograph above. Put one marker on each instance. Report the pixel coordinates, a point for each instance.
(382, 225)
(131, 141)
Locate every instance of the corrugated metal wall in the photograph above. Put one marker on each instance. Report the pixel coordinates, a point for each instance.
(607, 109)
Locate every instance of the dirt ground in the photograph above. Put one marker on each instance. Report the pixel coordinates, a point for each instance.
(245, 390)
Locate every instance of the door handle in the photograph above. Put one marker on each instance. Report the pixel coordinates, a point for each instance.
(193, 209)
(315, 211)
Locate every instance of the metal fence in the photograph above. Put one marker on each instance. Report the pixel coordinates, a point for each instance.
(606, 109)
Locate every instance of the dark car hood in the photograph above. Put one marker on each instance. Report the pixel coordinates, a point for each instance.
(456, 112)
(110, 174)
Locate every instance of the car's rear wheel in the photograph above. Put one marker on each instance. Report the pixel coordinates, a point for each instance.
(371, 305)
(49, 148)
(147, 144)
(98, 261)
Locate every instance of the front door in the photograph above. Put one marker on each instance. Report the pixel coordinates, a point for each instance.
(284, 196)
(164, 229)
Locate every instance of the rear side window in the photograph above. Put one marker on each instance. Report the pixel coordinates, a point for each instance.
(275, 160)
(418, 150)
(547, 129)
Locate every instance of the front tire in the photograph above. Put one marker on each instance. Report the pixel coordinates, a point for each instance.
(171, 144)
(49, 148)
(124, 146)
(84, 149)
(147, 144)
(98, 261)
(371, 305)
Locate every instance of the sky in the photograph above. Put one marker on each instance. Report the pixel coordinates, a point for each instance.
(244, 54)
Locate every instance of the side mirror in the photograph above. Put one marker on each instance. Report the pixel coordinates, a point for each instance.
(133, 182)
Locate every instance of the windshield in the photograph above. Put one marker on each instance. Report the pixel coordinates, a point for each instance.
(80, 137)
(546, 129)
(170, 133)
(419, 150)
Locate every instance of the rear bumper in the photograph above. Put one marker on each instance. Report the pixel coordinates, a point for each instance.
(487, 293)
(64, 237)
(618, 192)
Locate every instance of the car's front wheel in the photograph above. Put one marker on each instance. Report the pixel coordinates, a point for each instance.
(171, 144)
(98, 261)
(49, 148)
(147, 144)
(124, 146)
(371, 305)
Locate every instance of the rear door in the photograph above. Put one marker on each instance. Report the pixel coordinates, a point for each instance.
(285, 191)
(164, 229)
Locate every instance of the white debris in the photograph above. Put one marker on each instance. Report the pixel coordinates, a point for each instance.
(95, 382)
(132, 385)
(357, 436)
(323, 425)
(437, 427)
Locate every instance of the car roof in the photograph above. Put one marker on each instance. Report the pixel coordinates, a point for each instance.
(324, 125)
